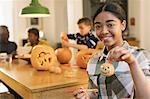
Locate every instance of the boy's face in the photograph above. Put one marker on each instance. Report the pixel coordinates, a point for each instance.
(84, 29)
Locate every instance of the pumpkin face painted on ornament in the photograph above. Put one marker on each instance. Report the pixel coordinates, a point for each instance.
(64, 55)
(43, 58)
(107, 69)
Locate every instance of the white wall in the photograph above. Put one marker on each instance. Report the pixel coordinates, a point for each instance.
(75, 11)
(145, 24)
(61, 18)
(19, 23)
(134, 8)
(139, 9)
(6, 15)
(49, 22)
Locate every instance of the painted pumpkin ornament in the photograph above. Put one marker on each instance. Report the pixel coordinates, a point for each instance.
(107, 69)
(43, 58)
(64, 55)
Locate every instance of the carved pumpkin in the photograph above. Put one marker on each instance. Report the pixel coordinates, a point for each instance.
(43, 58)
(83, 57)
(107, 69)
(63, 55)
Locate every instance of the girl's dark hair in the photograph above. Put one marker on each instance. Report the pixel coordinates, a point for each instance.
(113, 8)
(35, 31)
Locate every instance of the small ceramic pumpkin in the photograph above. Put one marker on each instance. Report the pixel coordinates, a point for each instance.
(64, 55)
(83, 57)
(43, 58)
(107, 69)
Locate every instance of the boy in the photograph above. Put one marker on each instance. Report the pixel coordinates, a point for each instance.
(85, 39)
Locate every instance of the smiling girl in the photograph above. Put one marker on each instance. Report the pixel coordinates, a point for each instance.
(131, 64)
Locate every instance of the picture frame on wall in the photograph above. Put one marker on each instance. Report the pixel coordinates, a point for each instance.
(35, 22)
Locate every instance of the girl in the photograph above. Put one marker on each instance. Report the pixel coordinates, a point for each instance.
(131, 65)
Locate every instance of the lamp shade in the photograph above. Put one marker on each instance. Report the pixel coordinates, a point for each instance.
(35, 9)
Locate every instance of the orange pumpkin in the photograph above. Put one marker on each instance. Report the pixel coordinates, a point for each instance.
(83, 57)
(63, 55)
(43, 58)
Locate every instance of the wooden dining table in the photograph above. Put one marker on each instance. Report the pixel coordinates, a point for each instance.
(32, 84)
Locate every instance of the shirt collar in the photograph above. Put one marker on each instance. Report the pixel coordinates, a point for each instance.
(125, 45)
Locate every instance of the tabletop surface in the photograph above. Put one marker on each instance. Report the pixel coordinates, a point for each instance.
(34, 80)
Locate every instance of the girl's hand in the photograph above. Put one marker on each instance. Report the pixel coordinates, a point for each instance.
(121, 54)
(81, 94)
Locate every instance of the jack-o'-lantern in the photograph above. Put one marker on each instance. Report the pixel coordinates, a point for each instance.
(83, 57)
(63, 55)
(107, 69)
(43, 58)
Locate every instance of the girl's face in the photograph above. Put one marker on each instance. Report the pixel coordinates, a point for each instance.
(84, 29)
(109, 29)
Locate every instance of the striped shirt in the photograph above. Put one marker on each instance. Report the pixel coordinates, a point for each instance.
(119, 85)
(90, 40)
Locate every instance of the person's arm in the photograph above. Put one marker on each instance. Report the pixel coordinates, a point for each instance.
(65, 36)
(65, 42)
(141, 83)
(77, 46)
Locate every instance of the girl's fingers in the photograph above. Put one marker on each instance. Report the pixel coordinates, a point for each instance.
(81, 95)
(116, 54)
(120, 54)
(76, 92)
(125, 56)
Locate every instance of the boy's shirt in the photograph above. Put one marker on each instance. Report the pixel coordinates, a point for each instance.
(90, 40)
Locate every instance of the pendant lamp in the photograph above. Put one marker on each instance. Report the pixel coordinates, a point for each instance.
(35, 9)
